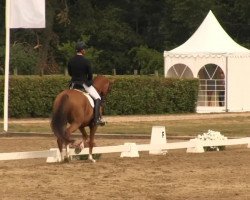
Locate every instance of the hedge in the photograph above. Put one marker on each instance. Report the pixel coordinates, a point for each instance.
(33, 96)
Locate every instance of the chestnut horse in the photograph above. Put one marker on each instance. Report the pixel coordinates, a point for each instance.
(71, 111)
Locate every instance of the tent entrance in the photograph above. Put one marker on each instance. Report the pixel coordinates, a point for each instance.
(211, 93)
(212, 86)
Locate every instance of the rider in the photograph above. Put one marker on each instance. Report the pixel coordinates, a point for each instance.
(80, 70)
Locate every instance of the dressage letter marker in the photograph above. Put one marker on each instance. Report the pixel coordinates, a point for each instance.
(158, 140)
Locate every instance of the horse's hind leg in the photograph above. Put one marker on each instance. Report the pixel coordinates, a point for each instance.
(84, 133)
(60, 146)
(73, 127)
(80, 146)
(91, 141)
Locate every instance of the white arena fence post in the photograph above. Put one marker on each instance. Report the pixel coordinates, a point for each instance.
(56, 157)
(158, 140)
(196, 146)
(133, 151)
(248, 144)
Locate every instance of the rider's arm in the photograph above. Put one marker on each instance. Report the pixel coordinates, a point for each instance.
(69, 69)
(90, 74)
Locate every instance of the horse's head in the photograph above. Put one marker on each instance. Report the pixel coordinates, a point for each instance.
(102, 85)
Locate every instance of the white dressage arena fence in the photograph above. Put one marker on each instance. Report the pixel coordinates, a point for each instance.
(158, 146)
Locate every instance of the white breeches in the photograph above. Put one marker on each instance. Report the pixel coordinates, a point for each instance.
(92, 92)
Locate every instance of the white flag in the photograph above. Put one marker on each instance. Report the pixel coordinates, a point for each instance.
(27, 14)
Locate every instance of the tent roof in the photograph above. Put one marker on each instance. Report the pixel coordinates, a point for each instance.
(210, 37)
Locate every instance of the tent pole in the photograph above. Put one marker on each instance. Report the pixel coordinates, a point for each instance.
(226, 92)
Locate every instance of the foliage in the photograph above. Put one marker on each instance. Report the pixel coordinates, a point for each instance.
(33, 96)
(23, 58)
(147, 60)
(115, 28)
(2, 59)
(150, 95)
(67, 50)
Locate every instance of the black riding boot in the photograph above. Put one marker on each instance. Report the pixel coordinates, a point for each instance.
(97, 119)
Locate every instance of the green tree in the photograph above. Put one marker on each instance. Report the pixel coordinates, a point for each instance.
(67, 50)
(147, 60)
(23, 58)
(114, 38)
(114, 27)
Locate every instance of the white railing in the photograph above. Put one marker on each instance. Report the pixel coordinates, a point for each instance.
(158, 145)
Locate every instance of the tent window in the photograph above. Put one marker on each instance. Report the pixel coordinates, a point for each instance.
(212, 86)
(180, 71)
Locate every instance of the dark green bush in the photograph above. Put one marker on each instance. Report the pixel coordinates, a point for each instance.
(33, 96)
(152, 95)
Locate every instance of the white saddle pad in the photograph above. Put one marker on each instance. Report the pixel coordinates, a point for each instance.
(91, 101)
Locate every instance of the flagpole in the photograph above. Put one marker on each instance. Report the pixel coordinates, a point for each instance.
(7, 60)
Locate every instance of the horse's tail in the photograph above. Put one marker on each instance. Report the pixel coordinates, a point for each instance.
(59, 119)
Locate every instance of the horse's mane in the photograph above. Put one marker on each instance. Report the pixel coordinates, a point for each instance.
(102, 84)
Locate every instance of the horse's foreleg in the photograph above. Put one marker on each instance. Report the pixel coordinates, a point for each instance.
(91, 142)
(67, 158)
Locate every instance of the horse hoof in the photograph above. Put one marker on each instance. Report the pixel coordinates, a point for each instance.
(92, 160)
(78, 150)
(103, 123)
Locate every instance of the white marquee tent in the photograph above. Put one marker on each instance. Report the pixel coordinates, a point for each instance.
(222, 66)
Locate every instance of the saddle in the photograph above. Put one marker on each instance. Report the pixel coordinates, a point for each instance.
(80, 88)
(91, 101)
